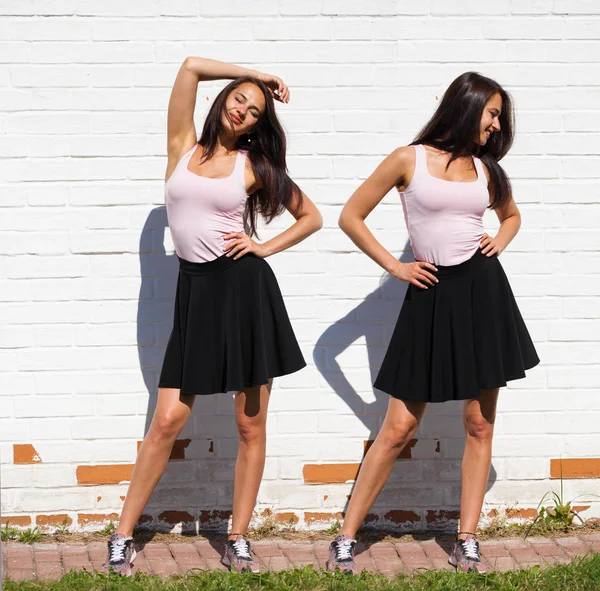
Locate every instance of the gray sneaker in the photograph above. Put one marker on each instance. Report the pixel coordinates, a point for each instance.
(465, 556)
(341, 555)
(238, 556)
(121, 554)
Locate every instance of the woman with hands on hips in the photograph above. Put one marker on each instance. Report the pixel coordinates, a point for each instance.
(459, 335)
(231, 331)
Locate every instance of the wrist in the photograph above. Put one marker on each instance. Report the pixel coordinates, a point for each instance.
(500, 244)
(394, 268)
(266, 249)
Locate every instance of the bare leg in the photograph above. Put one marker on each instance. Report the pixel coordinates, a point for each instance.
(479, 415)
(172, 412)
(251, 417)
(400, 423)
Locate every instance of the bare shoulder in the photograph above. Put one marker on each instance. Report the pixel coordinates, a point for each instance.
(403, 161)
(404, 156)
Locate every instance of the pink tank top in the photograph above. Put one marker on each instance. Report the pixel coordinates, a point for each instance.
(202, 210)
(444, 218)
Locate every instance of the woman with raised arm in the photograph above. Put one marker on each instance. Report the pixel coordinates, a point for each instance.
(459, 335)
(231, 331)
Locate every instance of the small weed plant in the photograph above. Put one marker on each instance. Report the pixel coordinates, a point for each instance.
(109, 529)
(8, 533)
(334, 528)
(559, 515)
(30, 535)
(63, 528)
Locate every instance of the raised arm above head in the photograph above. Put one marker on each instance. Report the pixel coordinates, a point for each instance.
(181, 131)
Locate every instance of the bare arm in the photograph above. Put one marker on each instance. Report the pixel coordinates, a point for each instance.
(181, 131)
(392, 172)
(308, 221)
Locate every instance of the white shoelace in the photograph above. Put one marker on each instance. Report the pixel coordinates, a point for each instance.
(470, 549)
(117, 551)
(344, 549)
(242, 549)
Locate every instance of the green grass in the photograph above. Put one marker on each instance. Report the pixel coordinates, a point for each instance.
(581, 575)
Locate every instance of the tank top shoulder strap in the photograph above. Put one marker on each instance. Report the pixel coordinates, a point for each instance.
(240, 166)
(189, 153)
(420, 161)
(480, 171)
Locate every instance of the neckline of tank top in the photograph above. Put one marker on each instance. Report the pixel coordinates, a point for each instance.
(210, 178)
(437, 178)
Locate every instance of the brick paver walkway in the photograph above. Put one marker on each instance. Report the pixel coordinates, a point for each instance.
(51, 561)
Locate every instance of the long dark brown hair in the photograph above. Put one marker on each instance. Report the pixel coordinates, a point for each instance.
(266, 146)
(456, 123)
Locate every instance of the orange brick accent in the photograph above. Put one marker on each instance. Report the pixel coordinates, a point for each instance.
(174, 517)
(329, 473)
(286, 518)
(522, 513)
(575, 468)
(400, 516)
(20, 520)
(179, 447)
(214, 515)
(310, 517)
(441, 515)
(105, 474)
(49, 520)
(24, 453)
(85, 518)
(581, 508)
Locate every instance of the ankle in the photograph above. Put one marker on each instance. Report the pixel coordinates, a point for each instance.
(124, 533)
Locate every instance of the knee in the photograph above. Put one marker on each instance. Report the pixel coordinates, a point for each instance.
(251, 431)
(399, 433)
(479, 428)
(166, 426)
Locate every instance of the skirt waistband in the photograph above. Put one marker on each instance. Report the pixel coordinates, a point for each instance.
(217, 266)
(469, 267)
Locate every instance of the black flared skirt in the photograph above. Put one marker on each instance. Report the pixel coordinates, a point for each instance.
(461, 336)
(231, 329)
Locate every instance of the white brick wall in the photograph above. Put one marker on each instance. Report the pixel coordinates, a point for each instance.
(85, 279)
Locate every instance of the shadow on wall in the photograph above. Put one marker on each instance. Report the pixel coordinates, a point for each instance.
(200, 489)
(424, 488)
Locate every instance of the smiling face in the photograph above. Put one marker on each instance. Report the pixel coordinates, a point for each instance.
(490, 119)
(243, 108)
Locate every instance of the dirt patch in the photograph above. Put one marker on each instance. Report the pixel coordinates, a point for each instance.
(143, 536)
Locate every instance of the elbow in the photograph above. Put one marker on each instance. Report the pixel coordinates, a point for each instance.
(190, 63)
(344, 222)
(318, 222)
